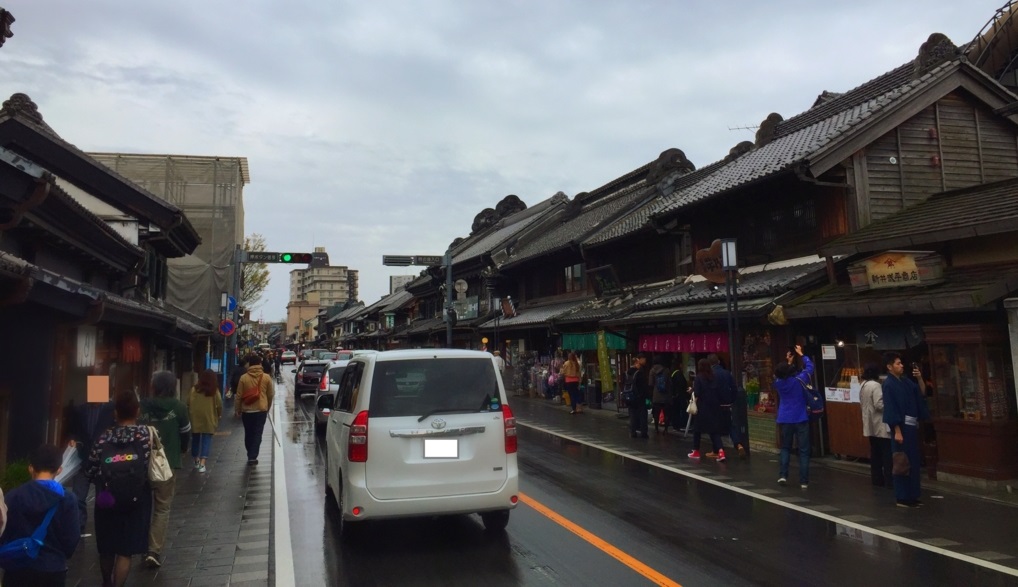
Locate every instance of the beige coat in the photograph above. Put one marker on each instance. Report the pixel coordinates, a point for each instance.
(871, 396)
(251, 379)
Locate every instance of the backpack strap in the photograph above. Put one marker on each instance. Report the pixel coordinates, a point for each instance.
(40, 533)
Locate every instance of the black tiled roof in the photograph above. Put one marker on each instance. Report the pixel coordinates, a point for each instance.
(756, 283)
(535, 315)
(562, 234)
(805, 135)
(976, 211)
(610, 307)
(964, 289)
(505, 229)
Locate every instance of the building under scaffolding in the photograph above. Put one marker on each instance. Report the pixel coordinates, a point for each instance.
(210, 191)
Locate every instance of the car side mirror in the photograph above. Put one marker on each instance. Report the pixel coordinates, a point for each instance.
(293, 370)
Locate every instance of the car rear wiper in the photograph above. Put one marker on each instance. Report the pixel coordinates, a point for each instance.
(447, 411)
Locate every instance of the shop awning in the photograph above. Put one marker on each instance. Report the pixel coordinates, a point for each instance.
(964, 289)
(587, 341)
(747, 308)
(529, 317)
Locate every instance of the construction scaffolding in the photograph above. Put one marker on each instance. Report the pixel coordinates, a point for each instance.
(210, 192)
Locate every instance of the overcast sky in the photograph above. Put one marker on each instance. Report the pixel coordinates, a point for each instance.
(383, 127)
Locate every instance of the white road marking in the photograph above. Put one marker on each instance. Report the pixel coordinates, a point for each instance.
(801, 509)
(285, 576)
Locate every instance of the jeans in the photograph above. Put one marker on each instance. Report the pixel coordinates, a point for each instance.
(573, 387)
(638, 417)
(799, 432)
(254, 424)
(162, 498)
(200, 445)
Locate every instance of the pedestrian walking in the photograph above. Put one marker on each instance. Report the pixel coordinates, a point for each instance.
(205, 408)
(499, 362)
(118, 465)
(871, 400)
(255, 392)
(169, 417)
(728, 392)
(793, 418)
(680, 393)
(31, 504)
(571, 374)
(638, 403)
(87, 422)
(904, 407)
(661, 395)
(708, 412)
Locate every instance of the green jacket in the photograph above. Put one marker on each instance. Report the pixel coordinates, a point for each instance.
(170, 418)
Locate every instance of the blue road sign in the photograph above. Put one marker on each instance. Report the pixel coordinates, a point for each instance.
(231, 304)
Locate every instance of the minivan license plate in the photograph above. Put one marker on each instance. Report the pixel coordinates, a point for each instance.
(441, 448)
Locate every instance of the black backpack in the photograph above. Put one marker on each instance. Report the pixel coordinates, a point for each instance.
(124, 471)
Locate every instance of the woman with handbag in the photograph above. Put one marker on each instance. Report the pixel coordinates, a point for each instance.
(571, 374)
(255, 392)
(205, 406)
(793, 417)
(118, 465)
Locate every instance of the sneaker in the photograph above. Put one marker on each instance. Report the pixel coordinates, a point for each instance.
(154, 560)
(711, 455)
(721, 455)
(694, 454)
(252, 461)
(201, 468)
(782, 481)
(918, 503)
(197, 463)
(805, 486)
(742, 451)
(907, 504)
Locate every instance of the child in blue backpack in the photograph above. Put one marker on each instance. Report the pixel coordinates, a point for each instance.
(27, 506)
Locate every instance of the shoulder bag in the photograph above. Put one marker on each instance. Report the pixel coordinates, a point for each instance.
(158, 465)
(18, 553)
(814, 399)
(691, 408)
(252, 394)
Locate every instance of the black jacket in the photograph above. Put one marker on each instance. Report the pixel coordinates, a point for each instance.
(27, 505)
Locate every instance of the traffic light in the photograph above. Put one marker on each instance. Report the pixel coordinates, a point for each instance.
(295, 257)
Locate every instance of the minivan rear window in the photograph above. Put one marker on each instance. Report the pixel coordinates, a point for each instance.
(335, 374)
(418, 387)
(314, 368)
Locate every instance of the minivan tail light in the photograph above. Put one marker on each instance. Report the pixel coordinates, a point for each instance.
(357, 451)
(324, 385)
(509, 422)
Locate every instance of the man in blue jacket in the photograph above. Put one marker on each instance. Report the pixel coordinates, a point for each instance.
(27, 506)
(904, 406)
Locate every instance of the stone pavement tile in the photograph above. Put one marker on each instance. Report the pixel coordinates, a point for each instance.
(219, 560)
(216, 570)
(247, 560)
(253, 545)
(217, 551)
(249, 576)
(210, 580)
(252, 583)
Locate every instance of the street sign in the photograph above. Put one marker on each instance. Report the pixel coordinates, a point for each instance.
(427, 260)
(231, 304)
(227, 327)
(404, 260)
(262, 257)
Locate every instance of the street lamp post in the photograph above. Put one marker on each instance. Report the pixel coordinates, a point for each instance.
(730, 265)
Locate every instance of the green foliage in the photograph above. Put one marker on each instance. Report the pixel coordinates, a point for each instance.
(15, 474)
(255, 276)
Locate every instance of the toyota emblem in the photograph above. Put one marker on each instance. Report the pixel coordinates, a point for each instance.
(438, 423)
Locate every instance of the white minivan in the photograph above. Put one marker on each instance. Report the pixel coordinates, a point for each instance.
(422, 432)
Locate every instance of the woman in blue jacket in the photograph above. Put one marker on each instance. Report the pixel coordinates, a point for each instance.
(793, 419)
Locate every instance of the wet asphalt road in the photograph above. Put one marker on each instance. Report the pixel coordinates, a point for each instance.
(689, 532)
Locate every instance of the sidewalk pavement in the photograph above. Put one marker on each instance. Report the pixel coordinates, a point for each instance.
(971, 524)
(220, 521)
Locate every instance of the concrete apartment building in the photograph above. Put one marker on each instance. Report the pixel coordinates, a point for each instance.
(314, 288)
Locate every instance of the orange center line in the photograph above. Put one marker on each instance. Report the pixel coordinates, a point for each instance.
(624, 558)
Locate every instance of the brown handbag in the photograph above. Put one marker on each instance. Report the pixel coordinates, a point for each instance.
(899, 464)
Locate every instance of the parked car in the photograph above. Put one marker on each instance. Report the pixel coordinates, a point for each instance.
(288, 357)
(328, 387)
(319, 353)
(421, 432)
(307, 377)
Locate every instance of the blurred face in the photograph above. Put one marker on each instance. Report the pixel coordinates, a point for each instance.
(641, 361)
(897, 368)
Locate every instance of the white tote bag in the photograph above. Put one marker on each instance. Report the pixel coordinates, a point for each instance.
(158, 466)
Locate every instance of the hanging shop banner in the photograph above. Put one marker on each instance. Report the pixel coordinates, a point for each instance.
(604, 362)
(86, 345)
(706, 342)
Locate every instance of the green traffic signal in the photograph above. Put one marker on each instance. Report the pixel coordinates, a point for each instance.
(295, 257)
(286, 257)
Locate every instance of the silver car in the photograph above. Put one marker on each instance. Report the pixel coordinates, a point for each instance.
(421, 433)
